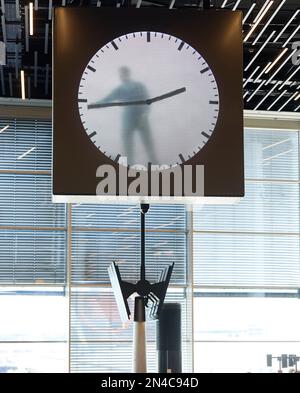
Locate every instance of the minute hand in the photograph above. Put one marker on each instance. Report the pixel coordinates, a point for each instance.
(167, 95)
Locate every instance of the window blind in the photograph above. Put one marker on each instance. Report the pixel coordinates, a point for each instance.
(32, 229)
(254, 243)
(25, 144)
(105, 233)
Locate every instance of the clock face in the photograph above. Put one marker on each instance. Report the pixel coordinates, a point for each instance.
(150, 97)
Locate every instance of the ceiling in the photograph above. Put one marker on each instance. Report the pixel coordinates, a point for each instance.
(271, 78)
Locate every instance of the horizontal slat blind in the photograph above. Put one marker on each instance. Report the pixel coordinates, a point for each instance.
(118, 239)
(271, 154)
(254, 243)
(32, 257)
(19, 138)
(266, 207)
(32, 229)
(102, 234)
(25, 200)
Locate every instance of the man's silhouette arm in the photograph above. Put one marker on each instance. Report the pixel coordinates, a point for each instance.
(106, 101)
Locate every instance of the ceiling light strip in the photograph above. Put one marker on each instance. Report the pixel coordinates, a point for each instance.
(30, 18)
(172, 2)
(291, 36)
(287, 25)
(297, 98)
(288, 101)
(298, 107)
(22, 85)
(236, 5)
(249, 12)
(289, 78)
(261, 10)
(266, 96)
(251, 76)
(276, 60)
(263, 71)
(260, 50)
(255, 91)
(36, 5)
(277, 99)
(282, 65)
(138, 4)
(269, 21)
(258, 21)
(224, 3)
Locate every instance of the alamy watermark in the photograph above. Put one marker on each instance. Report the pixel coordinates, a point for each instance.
(154, 181)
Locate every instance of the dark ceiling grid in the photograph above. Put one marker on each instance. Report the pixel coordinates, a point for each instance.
(33, 53)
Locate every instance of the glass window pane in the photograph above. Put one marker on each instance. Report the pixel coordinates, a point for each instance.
(271, 154)
(266, 207)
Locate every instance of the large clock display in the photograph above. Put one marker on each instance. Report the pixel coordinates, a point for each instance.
(147, 105)
(150, 97)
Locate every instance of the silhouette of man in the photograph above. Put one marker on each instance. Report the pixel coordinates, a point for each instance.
(135, 117)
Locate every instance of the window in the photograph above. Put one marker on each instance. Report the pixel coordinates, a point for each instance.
(35, 252)
(246, 263)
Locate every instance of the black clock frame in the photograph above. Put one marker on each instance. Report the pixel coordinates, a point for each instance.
(79, 33)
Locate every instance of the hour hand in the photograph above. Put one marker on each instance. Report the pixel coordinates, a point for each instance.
(167, 95)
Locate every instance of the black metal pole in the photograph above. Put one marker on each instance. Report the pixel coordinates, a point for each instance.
(144, 210)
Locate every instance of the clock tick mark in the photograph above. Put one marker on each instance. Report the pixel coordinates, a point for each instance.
(114, 45)
(181, 45)
(82, 99)
(92, 134)
(205, 134)
(148, 36)
(204, 70)
(213, 102)
(117, 157)
(91, 68)
(181, 157)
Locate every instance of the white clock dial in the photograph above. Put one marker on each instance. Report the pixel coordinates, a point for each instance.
(150, 97)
